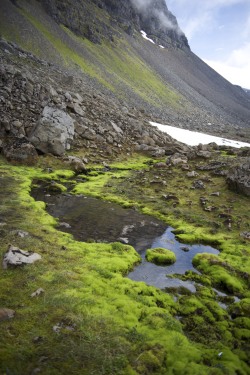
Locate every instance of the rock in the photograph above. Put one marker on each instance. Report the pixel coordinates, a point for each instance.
(238, 178)
(160, 165)
(65, 225)
(75, 108)
(185, 248)
(68, 97)
(19, 150)
(37, 292)
(185, 167)
(214, 165)
(198, 184)
(204, 154)
(192, 174)
(16, 257)
(20, 233)
(245, 235)
(169, 197)
(52, 91)
(177, 159)
(116, 128)
(6, 314)
(54, 132)
(77, 164)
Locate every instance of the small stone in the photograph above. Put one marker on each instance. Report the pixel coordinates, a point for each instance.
(65, 225)
(215, 194)
(37, 292)
(198, 184)
(6, 314)
(57, 328)
(192, 174)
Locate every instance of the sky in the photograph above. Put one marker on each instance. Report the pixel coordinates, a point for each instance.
(218, 32)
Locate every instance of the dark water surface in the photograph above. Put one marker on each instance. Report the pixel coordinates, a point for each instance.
(91, 219)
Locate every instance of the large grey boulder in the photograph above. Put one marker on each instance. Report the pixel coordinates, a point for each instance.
(53, 132)
(238, 178)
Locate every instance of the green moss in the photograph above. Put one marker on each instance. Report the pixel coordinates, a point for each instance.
(221, 277)
(160, 256)
(55, 187)
(107, 322)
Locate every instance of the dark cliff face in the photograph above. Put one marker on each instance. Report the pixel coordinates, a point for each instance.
(86, 18)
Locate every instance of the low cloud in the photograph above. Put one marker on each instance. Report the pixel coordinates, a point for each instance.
(141, 4)
(164, 22)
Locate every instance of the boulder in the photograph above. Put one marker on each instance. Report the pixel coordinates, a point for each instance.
(19, 150)
(53, 132)
(76, 163)
(16, 257)
(238, 178)
(177, 159)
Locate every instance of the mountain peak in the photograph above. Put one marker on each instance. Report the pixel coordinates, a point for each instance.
(152, 16)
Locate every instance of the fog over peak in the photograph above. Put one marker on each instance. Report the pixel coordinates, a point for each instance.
(165, 22)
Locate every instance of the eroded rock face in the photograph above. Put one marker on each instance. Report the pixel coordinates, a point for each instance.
(54, 132)
(238, 178)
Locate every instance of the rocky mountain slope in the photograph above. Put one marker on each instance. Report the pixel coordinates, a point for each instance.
(98, 45)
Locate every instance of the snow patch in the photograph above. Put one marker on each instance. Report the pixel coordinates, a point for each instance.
(192, 138)
(144, 35)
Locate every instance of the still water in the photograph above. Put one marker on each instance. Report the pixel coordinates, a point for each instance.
(90, 219)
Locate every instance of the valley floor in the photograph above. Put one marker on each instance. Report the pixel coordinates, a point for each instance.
(88, 318)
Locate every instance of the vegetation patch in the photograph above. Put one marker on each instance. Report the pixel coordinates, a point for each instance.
(91, 318)
(160, 256)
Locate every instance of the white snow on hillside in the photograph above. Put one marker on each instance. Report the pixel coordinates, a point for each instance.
(192, 138)
(144, 35)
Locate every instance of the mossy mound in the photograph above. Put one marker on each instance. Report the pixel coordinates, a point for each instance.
(160, 256)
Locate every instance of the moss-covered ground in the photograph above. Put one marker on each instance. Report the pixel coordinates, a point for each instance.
(91, 319)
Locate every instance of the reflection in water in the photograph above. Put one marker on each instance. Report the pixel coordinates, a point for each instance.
(156, 275)
(88, 218)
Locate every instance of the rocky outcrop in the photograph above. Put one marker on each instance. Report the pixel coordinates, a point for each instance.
(152, 16)
(238, 178)
(54, 132)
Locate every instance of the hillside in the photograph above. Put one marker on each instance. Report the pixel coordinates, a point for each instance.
(101, 43)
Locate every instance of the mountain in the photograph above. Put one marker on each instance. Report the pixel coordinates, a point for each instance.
(100, 42)
(128, 62)
(247, 91)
